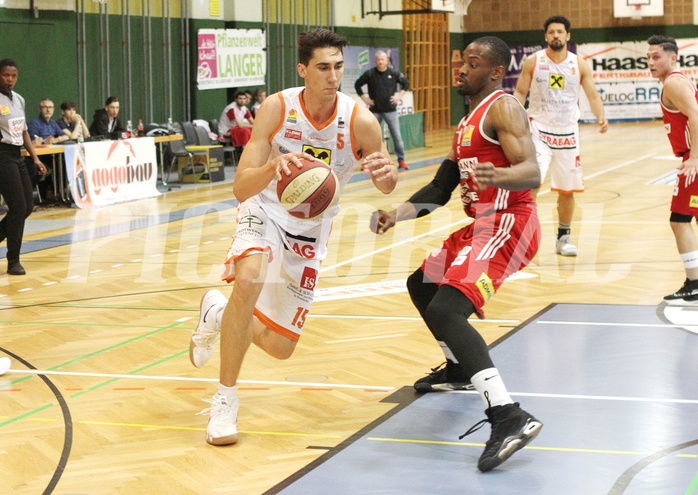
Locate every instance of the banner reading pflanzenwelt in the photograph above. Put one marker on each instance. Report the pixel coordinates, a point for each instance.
(622, 77)
(231, 58)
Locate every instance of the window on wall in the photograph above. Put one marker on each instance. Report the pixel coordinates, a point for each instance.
(427, 64)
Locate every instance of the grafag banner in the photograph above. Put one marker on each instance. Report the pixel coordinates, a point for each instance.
(109, 172)
(230, 58)
(623, 79)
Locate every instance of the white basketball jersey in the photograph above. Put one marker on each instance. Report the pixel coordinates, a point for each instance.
(554, 95)
(331, 142)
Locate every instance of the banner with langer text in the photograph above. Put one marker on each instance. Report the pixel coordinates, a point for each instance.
(229, 58)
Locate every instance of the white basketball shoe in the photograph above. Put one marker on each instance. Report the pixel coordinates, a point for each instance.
(206, 334)
(564, 247)
(222, 426)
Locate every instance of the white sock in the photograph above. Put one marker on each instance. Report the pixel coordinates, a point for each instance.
(447, 352)
(490, 385)
(690, 260)
(229, 392)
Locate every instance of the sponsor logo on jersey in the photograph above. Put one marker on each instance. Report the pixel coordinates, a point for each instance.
(667, 128)
(467, 135)
(283, 151)
(292, 116)
(309, 278)
(4, 110)
(340, 123)
(293, 134)
(556, 81)
(485, 286)
(322, 154)
(693, 203)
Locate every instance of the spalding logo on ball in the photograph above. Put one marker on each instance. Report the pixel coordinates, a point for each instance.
(309, 191)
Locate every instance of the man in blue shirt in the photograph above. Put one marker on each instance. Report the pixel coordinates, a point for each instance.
(42, 129)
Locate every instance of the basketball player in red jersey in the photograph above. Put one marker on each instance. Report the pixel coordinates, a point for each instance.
(275, 258)
(493, 160)
(680, 115)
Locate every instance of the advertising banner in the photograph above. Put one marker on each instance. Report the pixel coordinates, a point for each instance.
(229, 58)
(108, 172)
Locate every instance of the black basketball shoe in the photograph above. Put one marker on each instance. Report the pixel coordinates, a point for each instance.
(687, 295)
(443, 378)
(512, 429)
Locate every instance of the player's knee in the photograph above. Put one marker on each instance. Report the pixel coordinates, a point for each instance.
(420, 289)
(448, 303)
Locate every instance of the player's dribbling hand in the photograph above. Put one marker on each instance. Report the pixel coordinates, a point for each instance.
(378, 166)
(282, 162)
(382, 221)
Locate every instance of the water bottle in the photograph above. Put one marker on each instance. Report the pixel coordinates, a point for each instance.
(141, 128)
(129, 128)
(170, 126)
(81, 138)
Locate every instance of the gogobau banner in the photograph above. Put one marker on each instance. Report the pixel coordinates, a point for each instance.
(108, 172)
(230, 58)
(623, 79)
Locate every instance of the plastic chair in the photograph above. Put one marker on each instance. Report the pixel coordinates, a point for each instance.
(178, 150)
(202, 136)
(189, 133)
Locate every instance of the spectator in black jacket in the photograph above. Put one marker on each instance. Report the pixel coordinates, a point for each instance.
(383, 97)
(106, 120)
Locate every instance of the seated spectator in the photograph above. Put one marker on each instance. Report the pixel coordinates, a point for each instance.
(42, 129)
(259, 96)
(236, 121)
(106, 120)
(71, 122)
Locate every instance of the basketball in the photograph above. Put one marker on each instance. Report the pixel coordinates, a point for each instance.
(309, 190)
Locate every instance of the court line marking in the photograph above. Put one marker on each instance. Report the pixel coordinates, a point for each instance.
(529, 447)
(184, 428)
(195, 379)
(616, 398)
(608, 324)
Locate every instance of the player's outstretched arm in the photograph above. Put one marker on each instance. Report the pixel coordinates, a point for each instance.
(369, 142)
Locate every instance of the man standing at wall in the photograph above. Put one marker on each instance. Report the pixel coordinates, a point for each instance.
(383, 97)
(680, 115)
(555, 77)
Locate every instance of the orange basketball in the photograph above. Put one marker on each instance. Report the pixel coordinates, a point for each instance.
(309, 190)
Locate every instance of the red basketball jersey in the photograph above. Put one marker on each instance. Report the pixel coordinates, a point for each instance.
(676, 124)
(472, 146)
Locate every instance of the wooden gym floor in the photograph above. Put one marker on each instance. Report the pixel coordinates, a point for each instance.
(101, 398)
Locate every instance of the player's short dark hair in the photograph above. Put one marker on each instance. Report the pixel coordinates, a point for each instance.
(557, 19)
(667, 43)
(498, 52)
(67, 105)
(110, 100)
(318, 38)
(8, 62)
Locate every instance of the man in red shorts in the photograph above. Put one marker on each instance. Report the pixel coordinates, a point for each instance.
(680, 114)
(493, 160)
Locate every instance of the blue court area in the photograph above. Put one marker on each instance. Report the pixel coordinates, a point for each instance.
(615, 386)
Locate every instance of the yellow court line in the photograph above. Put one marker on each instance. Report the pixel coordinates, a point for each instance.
(549, 449)
(183, 428)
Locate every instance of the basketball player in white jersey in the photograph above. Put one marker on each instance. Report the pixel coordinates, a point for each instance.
(554, 77)
(275, 258)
